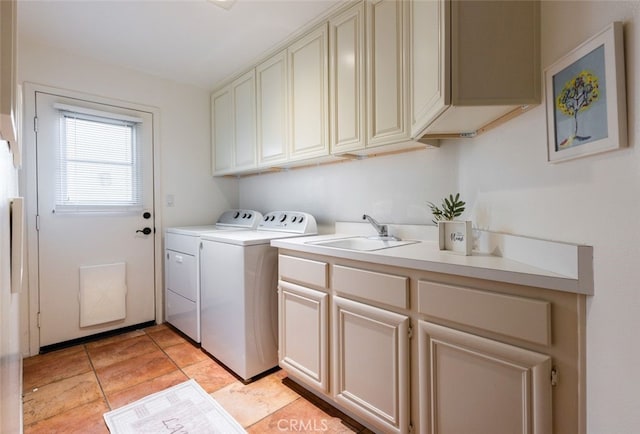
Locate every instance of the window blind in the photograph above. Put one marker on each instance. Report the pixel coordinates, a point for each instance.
(99, 162)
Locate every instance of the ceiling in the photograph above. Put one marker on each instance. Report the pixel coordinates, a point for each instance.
(188, 41)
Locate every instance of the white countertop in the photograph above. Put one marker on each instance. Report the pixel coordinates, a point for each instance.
(540, 263)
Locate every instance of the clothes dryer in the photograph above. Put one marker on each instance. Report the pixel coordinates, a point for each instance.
(182, 267)
(239, 292)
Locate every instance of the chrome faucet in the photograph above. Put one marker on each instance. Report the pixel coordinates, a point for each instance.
(383, 230)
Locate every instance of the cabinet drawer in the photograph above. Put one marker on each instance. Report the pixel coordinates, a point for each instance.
(302, 270)
(517, 317)
(370, 285)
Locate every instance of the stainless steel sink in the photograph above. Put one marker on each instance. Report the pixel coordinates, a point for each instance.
(362, 243)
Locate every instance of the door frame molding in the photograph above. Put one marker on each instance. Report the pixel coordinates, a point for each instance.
(28, 181)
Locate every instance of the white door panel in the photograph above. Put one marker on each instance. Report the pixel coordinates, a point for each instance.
(71, 239)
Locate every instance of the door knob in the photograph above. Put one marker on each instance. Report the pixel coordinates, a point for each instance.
(145, 231)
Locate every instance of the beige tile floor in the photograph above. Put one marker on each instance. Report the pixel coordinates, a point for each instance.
(67, 391)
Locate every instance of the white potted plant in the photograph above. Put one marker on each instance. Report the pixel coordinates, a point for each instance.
(455, 235)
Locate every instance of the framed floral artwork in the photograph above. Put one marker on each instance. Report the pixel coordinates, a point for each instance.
(586, 98)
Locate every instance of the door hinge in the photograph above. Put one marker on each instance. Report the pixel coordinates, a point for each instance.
(35, 124)
(37, 222)
(554, 377)
(38, 319)
(410, 332)
(200, 246)
(411, 428)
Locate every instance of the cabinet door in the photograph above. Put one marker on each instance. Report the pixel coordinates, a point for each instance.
(271, 83)
(497, 388)
(387, 63)
(370, 362)
(303, 329)
(430, 61)
(309, 92)
(244, 121)
(347, 79)
(222, 131)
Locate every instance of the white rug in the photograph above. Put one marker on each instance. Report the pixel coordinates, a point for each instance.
(184, 408)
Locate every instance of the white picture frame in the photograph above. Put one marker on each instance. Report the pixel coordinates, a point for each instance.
(455, 236)
(585, 96)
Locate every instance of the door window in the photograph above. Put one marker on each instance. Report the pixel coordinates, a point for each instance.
(99, 163)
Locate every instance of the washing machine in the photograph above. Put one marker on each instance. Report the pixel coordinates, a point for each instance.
(182, 267)
(239, 279)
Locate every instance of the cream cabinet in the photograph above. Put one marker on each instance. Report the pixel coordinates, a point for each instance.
(403, 350)
(233, 123)
(303, 320)
(222, 132)
(347, 80)
(387, 37)
(308, 96)
(471, 63)
(303, 334)
(370, 348)
(272, 110)
(8, 85)
(471, 384)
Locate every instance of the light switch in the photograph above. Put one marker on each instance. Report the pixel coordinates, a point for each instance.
(171, 200)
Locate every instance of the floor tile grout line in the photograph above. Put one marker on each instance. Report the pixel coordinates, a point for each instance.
(95, 373)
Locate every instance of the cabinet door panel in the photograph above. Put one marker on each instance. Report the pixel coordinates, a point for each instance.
(244, 112)
(370, 362)
(303, 329)
(387, 69)
(271, 82)
(430, 61)
(222, 131)
(309, 92)
(499, 388)
(346, 77)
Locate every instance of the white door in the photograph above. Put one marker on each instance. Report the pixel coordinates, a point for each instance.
(95, 217)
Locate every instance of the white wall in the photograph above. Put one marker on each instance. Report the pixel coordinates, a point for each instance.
(184, 125)
(392, 189)
(10, 357)
(511, 188)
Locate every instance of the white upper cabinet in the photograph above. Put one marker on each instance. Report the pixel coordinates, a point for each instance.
(271, 85)
(430, 62)
(386, 72)
(244, 121)
(347, 80)
(233, 123)
(308, 96)
(471, 63)
(222, 131)
(8, 88)
(381, 73)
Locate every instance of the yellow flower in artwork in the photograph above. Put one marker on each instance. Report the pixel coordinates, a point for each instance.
(577, 95)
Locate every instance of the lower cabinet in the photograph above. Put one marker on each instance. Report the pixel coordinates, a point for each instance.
(370, 349)
(470, 384)
(403, 354)
(303, 329)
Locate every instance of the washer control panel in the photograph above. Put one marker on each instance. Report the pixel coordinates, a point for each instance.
(289, 221)
(239, 218)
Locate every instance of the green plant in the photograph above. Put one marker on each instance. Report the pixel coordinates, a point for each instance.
(452, 207)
